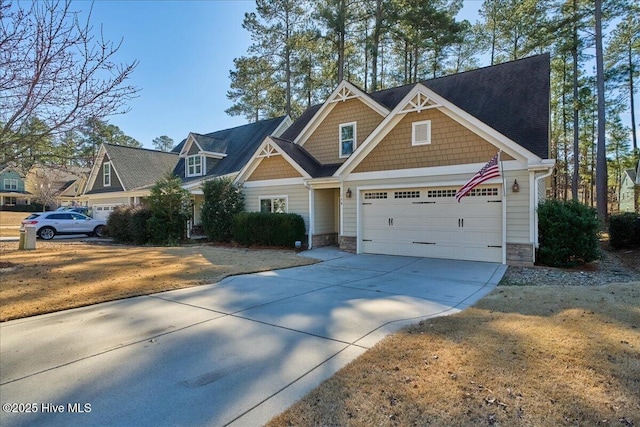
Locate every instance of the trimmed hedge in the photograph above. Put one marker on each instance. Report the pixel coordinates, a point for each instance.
(269, 229)
(624, 230)
(568, 233)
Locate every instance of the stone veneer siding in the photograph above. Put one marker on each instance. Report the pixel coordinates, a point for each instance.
(520, 254)
(327, 239)
(347, 244)
(275, 167)
(451, 144)
(324, 143)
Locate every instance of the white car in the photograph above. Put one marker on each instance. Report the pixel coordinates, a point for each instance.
(49, 224)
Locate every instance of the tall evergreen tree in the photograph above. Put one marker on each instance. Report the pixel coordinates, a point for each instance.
(622, 59)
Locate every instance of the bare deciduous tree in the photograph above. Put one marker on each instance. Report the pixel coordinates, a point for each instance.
(54, 68)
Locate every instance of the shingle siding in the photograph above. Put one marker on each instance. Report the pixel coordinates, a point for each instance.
(324, 143)
(451, 144)
(275, 167)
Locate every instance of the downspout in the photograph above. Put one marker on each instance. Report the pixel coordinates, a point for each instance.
(535, 205)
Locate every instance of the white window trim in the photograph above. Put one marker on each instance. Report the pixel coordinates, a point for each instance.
(106, 176)
(10, 181)
(187, 172)
(413, 133)
(285, 197)
(355, 139)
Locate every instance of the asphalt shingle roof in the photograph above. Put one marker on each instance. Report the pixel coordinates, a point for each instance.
(139, 167)
(306, 160)
(241, 142)
(512, 98)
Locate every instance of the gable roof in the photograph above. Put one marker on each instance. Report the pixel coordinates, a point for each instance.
(239, 144)
(511, 98)
(136, 168)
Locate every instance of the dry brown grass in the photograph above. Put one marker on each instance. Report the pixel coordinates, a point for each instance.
(61, 275)
(10, 223)
(525, 356)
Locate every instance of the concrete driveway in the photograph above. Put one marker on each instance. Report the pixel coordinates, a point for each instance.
(236, 352)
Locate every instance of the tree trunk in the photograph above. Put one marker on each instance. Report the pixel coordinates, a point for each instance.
(601, 162)
(375, 45)
(634, 131)
(576, 130)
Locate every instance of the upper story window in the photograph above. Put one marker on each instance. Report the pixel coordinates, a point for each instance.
(421, 133)
(11, 184)
(347, 139)
(106, 174)
(194, 165)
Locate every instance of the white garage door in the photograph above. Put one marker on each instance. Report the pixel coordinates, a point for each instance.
(428, 222)
(103, 211)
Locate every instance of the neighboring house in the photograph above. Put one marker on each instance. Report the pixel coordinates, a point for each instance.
(125, 175)
(630, 190)
(378, 172)
(57, 186)
(13, 191)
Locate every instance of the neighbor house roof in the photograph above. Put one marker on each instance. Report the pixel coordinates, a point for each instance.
(139, 167)
(512, 98)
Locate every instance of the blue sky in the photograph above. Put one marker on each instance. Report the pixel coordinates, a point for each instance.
(185, 50)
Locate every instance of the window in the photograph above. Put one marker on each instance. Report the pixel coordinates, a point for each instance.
(347, 139)
(406, 195)
(421, 133)
(276, 204)
(10, 201)
(11, 184)
(106, 174)
(375, 195)
(194, 165)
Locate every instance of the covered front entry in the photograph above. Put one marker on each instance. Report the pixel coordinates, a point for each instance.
(428, 222)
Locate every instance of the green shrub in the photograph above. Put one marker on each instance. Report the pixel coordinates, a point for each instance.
(269, 229)
(222, 200)
(170, 209)
(568, 233)
(118, 224)
(138, 218)
(624, 230)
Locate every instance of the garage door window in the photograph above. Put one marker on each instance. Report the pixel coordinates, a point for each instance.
(273, 205)
(493, 191)
(406, 195)
(375, 195)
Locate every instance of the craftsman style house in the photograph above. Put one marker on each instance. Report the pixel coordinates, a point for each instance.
(378, 172)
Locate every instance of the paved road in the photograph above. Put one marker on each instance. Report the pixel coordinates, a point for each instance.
(233, 353)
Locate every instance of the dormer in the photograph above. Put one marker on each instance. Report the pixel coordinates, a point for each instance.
(202, 152)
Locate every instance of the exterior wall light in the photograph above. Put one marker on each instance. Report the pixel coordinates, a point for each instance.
(348, 193)
(516, 186)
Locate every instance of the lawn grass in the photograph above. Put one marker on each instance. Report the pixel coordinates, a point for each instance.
(10, 223)
(522, 356)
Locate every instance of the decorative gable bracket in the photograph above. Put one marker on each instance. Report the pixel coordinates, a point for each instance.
(268, 151)
(343, 94)
(419, 103)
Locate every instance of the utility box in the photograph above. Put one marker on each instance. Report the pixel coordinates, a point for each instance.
(27, 238)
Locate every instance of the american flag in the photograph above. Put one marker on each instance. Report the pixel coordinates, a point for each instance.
(488, 171)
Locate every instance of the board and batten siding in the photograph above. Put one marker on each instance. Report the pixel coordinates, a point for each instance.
(297, 198)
